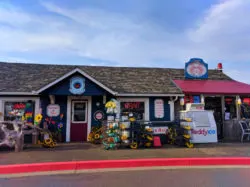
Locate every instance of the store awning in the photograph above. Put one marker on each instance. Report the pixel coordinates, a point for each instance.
(214, 87)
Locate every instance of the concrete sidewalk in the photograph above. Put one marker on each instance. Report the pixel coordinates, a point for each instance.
(86, 151)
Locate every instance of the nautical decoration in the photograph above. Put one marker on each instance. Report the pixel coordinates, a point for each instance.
(77, 85)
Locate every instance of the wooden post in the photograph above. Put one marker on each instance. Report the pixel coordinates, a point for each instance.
(223, 115)
(35, 137)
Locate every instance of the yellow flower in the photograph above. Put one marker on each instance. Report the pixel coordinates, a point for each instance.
(38, 117)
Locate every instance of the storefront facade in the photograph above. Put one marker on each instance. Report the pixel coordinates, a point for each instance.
(72, 99)
(76, 102)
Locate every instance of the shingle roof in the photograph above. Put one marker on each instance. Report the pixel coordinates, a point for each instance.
(21, 77)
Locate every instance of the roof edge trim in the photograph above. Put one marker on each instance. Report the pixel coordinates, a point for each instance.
(71, 73)
(157, 95)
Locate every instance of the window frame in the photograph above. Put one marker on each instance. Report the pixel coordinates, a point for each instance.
(86, 112)
(36, 100)
(146, 105)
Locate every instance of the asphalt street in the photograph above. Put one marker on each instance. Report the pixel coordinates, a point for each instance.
(229, 177)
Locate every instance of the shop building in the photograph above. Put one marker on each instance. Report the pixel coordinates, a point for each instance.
(74, 97)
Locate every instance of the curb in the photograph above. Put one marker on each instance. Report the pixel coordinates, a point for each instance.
(131, 163)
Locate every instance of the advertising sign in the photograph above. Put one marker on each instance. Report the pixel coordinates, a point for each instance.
(159, 108)
(160, 130)
(204, 135)
(196, 68)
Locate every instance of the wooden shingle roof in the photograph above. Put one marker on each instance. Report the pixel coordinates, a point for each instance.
(21, 77)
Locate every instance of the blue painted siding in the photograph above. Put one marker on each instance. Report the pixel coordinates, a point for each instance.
(152, 110)
(62, 88)
(62, 101)
(99, 99)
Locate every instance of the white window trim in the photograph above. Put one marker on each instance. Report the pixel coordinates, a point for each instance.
(68, 123)
(19, 99)
(86, 111)
(146, 105)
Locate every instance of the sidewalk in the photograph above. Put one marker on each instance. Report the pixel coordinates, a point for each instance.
(86, 151)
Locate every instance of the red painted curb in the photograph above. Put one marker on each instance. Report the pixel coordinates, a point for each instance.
(101, 164)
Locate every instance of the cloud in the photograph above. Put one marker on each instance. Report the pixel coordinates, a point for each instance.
(221, 34)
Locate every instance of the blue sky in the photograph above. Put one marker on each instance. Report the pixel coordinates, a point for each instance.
(154, 33)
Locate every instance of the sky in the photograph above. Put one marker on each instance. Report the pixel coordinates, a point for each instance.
(151, 33)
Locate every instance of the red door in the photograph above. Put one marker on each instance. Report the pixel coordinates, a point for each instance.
(79, 121)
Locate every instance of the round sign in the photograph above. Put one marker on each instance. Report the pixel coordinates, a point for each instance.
(99, 115)
(196, 69)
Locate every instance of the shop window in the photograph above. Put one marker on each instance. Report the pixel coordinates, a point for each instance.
(15, 111)
(245, 108)
(137, 108)
(230, 108)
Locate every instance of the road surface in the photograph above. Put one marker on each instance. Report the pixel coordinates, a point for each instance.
(148, 178)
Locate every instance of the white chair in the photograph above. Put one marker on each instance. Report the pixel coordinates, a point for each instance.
(245, 129)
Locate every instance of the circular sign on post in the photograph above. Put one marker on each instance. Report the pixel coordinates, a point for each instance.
(99, 115)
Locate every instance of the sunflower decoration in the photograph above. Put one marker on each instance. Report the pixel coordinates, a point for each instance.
(150, 137)
(38, 119)
(189, 145)
(134, 145)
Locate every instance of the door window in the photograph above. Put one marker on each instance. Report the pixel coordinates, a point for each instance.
(79, 111)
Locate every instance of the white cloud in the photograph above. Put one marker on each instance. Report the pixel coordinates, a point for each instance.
(221, 35)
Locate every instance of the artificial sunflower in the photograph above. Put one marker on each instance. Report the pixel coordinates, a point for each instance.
(38, 117)
(97, 136)
(189, 145)
(187, 136)
(134, 145)
(150, 137)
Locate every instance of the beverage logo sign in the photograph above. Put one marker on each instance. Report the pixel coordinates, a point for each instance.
(203, 132)
(196, 68)
(77, 85)
(99, 115)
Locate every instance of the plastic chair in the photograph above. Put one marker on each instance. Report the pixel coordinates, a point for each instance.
(245, 129)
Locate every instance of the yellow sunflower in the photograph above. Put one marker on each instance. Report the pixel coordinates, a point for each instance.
(38, 117)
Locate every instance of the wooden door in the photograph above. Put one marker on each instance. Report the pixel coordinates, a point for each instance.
(79, 121)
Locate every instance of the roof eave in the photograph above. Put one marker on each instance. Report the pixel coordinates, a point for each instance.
(76, 70)
(148, 95)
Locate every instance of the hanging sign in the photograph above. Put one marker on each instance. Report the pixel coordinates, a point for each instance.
(196, 68)
(159, 108)
(77, 85)
(53, 110)
(99, 115)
